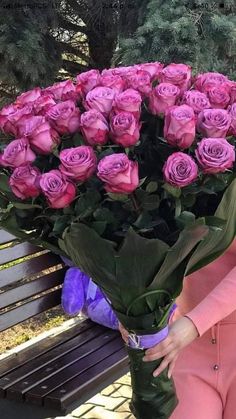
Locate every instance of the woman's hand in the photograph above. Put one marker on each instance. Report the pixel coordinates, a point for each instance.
(124, 333)
(181, 333)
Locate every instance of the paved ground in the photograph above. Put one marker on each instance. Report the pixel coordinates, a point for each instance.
(111, 403)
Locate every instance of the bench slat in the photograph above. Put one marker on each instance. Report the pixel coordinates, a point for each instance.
(20, 250)
(42, 362)
(27, 268)
(32, 288)
(6, 237)
(89, 382)
(35, 394)
(11, 364)
(28, 310)
(48, 376)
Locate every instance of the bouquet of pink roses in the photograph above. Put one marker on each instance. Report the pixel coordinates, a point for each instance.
(130, 173)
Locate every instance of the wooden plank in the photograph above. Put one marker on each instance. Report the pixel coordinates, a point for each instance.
(28, 370)
(36, 394)
(34, 351)
(85, 385)
(6, 237)
(27, 268)
(32, 288)
(28, 310)
(20, 250)
(48, 375)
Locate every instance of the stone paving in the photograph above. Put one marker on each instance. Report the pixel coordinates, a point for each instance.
(111, 403)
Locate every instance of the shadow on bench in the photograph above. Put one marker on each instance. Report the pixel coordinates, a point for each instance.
(57, 374)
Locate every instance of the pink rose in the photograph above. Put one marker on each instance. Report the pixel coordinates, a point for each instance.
(128, 101)
(180, 170)
(214, 123)
(115, 82)
(232, 92)
(206, 81)
(64, 117)
(232, 112)
(17, 153)
(28, 97)
(10, 116)
(88, 80)
(24, 182)
(118, 71)
(139, 80)
(215, 155)
(178, 74)
(78, 163)
(101, 99)
(43, 139)
(59, 191)
(94, 127)
(162, 98)
(28, 123)
(119, 173)
(218, 96)
(64, 90)
(197, 100)
(125, 129)
(153, 69)
(180, 126)
(43, 104)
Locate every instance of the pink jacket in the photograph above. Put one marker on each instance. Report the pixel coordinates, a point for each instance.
(209, 295)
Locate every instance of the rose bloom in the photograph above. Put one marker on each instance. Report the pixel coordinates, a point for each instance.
(197, 100)
(119, 174)
(206, 81)
(214, 123)
(28, 97)
(125, 129)
(162, 97)
(64, 117)
(101, 99)
(94, 127)
(64, 90)
(118, 71)
(17, 153)
(218, 96)
(232, 92)
(180, 126)
(59, 191)
(139, 80)
(11, 115)
(43, 104)
(78, 163)
(178, 74)
(115, 82)
(180, 170)
(129, 101)
(215, 155)
(24, 182)
(88, 80)
(232, 112)
(152, 68)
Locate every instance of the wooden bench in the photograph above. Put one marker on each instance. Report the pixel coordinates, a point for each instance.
(56, 375)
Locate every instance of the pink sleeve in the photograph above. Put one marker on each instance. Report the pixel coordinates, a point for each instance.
(217, 305)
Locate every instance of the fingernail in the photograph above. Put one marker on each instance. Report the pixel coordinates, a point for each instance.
(155, 374)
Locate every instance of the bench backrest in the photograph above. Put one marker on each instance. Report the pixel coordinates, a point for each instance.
(30, 280)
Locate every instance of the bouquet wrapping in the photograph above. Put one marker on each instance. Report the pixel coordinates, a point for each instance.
(129, 173)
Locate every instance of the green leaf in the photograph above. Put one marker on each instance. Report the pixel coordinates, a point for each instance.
(137, 262)
(4, 183)
(217, 240)
(87, 203)
(60, 225)
(152, 187)
(99, 226)
(118, 197)
(170, 275)
(104, 214)
(185, 218)
(21, 205)
(151, 202)
(176, 192)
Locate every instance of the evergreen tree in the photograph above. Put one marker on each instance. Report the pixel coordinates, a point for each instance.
(197, 32)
